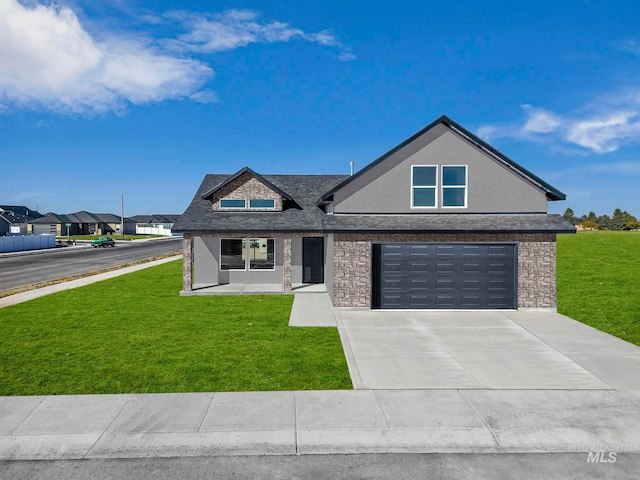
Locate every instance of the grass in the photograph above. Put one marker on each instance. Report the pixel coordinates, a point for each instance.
(115, 236)
(134, 334)
(599, 281)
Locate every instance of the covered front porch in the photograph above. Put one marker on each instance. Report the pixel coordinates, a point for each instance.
(256, 263)
(254, 289)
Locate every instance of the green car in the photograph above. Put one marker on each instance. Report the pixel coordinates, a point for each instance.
(103, 242)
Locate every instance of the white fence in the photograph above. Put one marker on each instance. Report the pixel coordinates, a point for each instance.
(26, 242)
(154, 229)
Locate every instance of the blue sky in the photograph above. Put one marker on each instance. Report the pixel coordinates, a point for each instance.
(143, 98)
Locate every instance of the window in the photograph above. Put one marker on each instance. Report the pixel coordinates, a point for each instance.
(233, 254)
(247, 254)
(454, 186)
(260, 203)
(261, 254)
(424, 183)
(233, 203)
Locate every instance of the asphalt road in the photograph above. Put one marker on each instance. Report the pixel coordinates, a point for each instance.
(20, 271)
(530, 466)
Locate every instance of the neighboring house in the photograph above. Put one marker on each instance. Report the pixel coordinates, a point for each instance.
(80, 223)
(441, 221)
(14, 218)
(155, 224)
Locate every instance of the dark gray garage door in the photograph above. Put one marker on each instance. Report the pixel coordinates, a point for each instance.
(444, 275)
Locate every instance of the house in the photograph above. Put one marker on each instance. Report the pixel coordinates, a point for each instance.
(80, 223)
(155, 224)
(441, 221)
(14, 218)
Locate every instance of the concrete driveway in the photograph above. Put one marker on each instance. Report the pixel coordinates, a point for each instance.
(483, 350)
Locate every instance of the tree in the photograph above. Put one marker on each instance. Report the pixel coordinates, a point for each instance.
(570, 217)
(631, 223)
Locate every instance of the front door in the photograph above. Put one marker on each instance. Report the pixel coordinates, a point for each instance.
(313, 260)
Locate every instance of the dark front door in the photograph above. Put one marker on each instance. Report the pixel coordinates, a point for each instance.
(313, 260)
(444, 276)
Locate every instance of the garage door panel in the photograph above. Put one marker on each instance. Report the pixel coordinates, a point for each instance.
(444, 276)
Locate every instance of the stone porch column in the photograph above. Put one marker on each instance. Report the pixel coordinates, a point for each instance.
(286, 281)
(187, 262)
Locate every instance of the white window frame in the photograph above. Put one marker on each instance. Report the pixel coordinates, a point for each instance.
(247, 255)
(465, 186)
(435, 187)
(262, 200)
(233, 208)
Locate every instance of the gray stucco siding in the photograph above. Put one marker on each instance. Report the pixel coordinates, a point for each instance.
(206, 265)
(492, 187)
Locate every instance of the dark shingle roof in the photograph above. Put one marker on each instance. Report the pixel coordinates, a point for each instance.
(79, 217)
(448, 223)
(156, 218)
(305, 216)
(306, 189)
(19, 212)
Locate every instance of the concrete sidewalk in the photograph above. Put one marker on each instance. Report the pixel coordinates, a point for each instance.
(318, 422)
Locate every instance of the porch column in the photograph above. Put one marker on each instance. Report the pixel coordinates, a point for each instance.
(286, 282)
(187, 262)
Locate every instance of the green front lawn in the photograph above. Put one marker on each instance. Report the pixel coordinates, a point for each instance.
(599, 281)
(135, 334)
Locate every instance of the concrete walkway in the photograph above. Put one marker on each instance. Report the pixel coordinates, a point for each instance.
(318, 422)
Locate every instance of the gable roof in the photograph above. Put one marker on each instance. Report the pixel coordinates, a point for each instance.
(306, 189)
(79, 217)
(19, 211)
(207, 195)
(302, 215)
(156, 218)
(551, 192)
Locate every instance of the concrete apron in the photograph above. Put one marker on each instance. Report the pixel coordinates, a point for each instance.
(318, 422)
(483, 350)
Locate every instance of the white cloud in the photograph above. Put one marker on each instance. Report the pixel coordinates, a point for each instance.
(540, 120)
(207, 33)
(605, 133)
(48, 59)
(602, 127)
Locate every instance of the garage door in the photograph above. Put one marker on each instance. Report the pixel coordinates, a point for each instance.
(444, 276)
(44, 229)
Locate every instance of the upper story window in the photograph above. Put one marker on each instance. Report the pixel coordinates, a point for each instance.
(432, 186)
(233, 203)
(262, 203)
(454, 186)
(424, 183)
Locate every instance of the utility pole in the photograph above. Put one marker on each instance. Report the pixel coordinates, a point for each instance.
(122, 218)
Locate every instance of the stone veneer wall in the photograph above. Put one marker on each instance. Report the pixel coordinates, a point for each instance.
(246, 187)
(536, 265)
(286, 263)
(187, 261)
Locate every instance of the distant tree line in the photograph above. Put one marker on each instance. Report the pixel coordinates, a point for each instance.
(620, 220)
